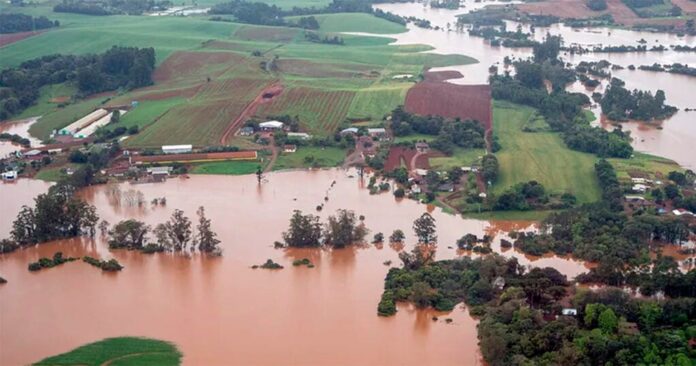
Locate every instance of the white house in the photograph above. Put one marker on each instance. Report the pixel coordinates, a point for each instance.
(177, 149)
(271, 125)
(640, 188)
(376, 132)
(569, 312)
(9, 175)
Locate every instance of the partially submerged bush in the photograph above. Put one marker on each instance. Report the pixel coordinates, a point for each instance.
(270, 264)
(42, 263)
(303, 262)
(152, 248)
(111, 265)
(387, 306)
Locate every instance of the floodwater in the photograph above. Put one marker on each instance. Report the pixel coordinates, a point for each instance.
(670, 138)
(219, 310)
(18, 127)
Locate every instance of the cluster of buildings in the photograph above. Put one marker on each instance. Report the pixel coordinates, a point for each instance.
(88, 125)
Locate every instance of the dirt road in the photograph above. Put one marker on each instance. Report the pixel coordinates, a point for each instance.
(265, 96)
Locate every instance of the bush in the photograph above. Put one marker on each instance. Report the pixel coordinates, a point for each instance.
(302, 262)
(270, 264)
(399, 193)
(387, 306)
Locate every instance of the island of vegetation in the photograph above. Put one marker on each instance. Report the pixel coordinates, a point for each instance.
(123, 350)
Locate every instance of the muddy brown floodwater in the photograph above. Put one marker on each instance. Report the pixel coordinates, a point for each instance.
(219, 310)
(18, 127)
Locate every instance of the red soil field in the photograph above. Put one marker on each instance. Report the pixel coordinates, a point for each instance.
(686, 6)
(313, 69)
(577, 9)
(451, 101)
(442, 75)
(235, 155)
(6, 39)
(399, 156)
(182, 64)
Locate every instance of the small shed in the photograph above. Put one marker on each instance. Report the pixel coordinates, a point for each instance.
(349, 130)
(9, 175)
(289, 148)
(177, 149)
(421, 172)
(569, 312)
(415, 189)
(299, 135)
(246, 131)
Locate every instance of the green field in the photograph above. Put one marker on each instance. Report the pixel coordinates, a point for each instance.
(147, 112)
(356, 22)
(460, 157)
(644, 165)
(122, 351)
(320, 157)
(227, 167)
(45, 104)
(540, 156)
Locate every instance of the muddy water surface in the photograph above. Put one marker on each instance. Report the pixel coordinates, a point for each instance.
(218, 310)
(19, 127)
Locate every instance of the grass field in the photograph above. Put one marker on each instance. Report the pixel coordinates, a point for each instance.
(644, 165)
(54, 174)
(308, 157)
(378, 100)
(122, 351)
(147, 112)
(540, 156)
(460, 158)
(227, 167)
(356, 22)
(48, 100)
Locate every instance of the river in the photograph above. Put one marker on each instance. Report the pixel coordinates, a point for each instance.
(670, 138)
(219, 310)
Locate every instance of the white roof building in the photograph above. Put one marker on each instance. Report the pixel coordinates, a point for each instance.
(569, 311)
(681, 212)
(376, 131)
(349, 130)
(271, 125)
(415, 188)
(176, 149)
(9, 175)
(421, 172)
(300, 135)
(639, 188)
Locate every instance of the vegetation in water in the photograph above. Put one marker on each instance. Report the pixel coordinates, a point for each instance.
(111, 265)
(620, 104)
(122, 351)
(43, 263)
(270, 264)
(303, 262)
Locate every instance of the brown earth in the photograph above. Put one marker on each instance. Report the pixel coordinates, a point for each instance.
(61, 99)
(6, 39)
(451, 101)
(621, 13)
(313, 69)
(687, 6)
(441, 76)
(399, 155)
(183, 64)
(265, 96)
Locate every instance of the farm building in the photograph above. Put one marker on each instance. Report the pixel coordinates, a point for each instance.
(299, 135)
(177, 149)
(682, 212)
(246, 131)
(569, 312)
(193, 158)
(83, 122)
(289, 148)
(640, 188)
(351, 130)
(377, 132)
(9, 175)
(271, 125)
(92, 127)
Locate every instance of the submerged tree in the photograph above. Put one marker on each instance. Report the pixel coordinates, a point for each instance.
(344, 229)
(128, 234)
(304, 231)
(397, 236)
(424, 228)
(174, 234)
(206, 238)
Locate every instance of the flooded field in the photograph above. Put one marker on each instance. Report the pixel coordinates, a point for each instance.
(669, 138)
(19, 127)
(221, 310)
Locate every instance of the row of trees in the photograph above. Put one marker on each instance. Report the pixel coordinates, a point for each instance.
(56, 214)
(110, 7)
(119, 67)
(175, 235)
(15, 22)
(341, 230)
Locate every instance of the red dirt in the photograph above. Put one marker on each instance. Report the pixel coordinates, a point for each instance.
(441, 76)
(622, 14)
(235, 155)
(62, 99)
(265, 96)
(6, 39)
(182, 64)
(686, 6)
(451, 101)
(398, 155)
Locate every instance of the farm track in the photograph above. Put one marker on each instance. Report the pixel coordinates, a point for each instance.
(274, 89)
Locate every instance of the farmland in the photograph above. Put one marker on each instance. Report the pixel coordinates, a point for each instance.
(121, 351)
(356, 22)
(227, 167)
(540, 156)
(310, 157)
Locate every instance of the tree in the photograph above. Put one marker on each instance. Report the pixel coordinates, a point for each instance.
(420, 255)
(424, 228)
(397, 236)
(206, 238)
(342, 229)
(608, 322)
(24, 226)
(304, 231)
(128, 234)
(115, 116)
(175, 234)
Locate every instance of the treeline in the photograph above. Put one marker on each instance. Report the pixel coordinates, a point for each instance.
(110, 7)
(340, 230)
(175, 235)
(620, 104)
(530, 196)
(57, 214)
(17, 139)
(450, 133)
(315, 38)
(15, 22)
(675, 68)
(119, 67)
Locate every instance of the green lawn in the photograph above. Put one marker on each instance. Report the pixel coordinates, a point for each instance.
(147, 112)
(119, 351)
(240, 167)
(53, 174)
(540, 156)
(356, 22)
(414, 137)
(460, 158)
(45, 104)
(320, 157)
(644, 165)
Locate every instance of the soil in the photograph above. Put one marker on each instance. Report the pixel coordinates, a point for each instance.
(399, 155)
(266, 96)
(451, 101)
(6, 39)
(182, 64)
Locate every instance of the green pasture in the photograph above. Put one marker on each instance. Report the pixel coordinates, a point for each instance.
(309, 157)
(234, 167)
(124, 351)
